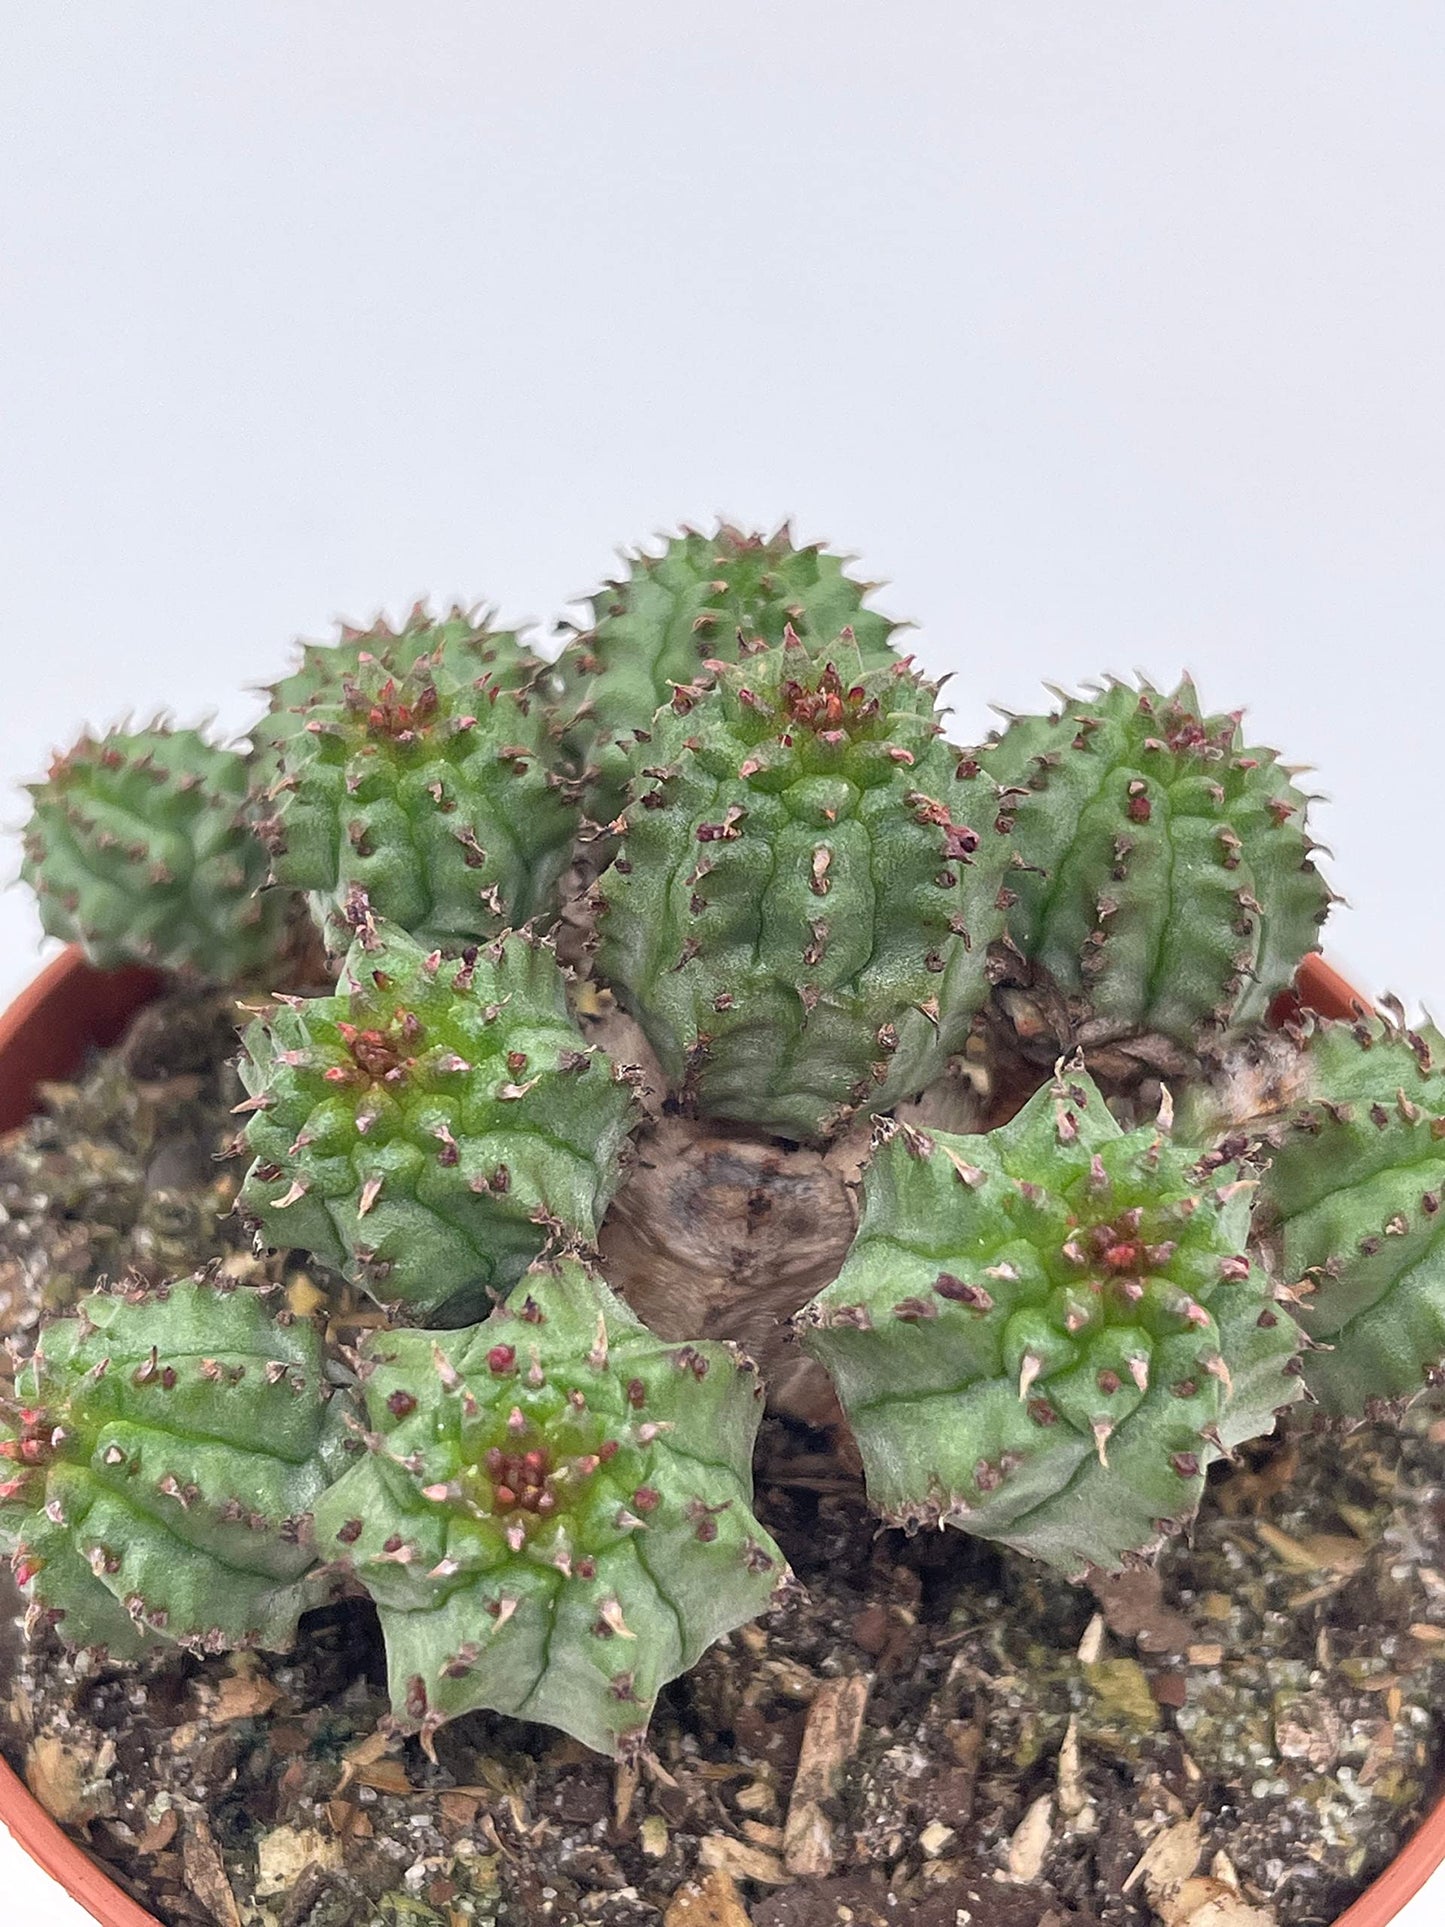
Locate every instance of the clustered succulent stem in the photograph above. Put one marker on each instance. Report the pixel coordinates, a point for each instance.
(142, 847)
(436, 1124)
(166, 1453)
(1029, 1334)
(732, 807)
(553, 1510)
(799, 913)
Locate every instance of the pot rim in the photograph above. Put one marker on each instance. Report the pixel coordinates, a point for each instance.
(44, 1034)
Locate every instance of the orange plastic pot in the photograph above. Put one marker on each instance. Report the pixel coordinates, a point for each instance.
(70, 1009)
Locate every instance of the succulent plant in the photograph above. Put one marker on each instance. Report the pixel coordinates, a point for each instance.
(553, 1510)
(1045, 1333)
(672, 614)
(464, 638)
(165, 1452)
(435, 1124)
(141, 849)
(799, 913)
(1166, 875)
(1352, 1204)
(418, 768)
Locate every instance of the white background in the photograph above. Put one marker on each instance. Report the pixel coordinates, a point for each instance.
(1111, 335)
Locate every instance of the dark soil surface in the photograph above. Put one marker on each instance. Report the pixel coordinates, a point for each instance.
(926, 1731)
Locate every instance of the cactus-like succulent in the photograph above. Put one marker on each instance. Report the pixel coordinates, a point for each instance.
(165, 1454)
(1045, 1333)
(464, 638)
(418, 768)
(141, 848)
(1352, 1203)
(799, 912)
(673, 614)
(553, 1513)
(1166, 876)
(429, 1129)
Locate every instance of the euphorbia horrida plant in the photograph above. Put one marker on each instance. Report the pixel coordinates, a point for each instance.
(142, 848)
(432, 1127)
(799, 913)
(980, 975)
(1045, 1334)
(553, 1512)
(166, 1451)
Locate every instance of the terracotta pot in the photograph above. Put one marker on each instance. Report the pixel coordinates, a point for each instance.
(71, 1008)
(45, 1034)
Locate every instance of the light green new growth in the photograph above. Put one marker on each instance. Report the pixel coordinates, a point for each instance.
(464, 639)
(432, 1127)
(166, 1451)
(554, 1511)
(673, 614)
(1044, 1334)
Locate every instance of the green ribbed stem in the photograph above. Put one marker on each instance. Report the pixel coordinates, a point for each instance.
(166, 1452)
(142, 849)
(674, 613)
(424, 778)
(1045, 1334)
(1352, 1200)
(799, 912)
(1167, 875)
(436, 1124)
(553, 1514)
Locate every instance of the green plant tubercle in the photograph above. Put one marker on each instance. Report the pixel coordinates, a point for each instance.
(142, 848)
(552, 1511)
(165, 1451)
(799, 912)
(432, 1127)
(1044, 1334)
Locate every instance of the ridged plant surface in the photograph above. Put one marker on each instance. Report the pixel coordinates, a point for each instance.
(429, 1129)
(141, 848)
(166, 1451)
(672, 613)
(424, 782)
(554, 1511)
(1168, 878)
(1353, 1196)
(799, 913)
(464, 639)
(1044, 1334)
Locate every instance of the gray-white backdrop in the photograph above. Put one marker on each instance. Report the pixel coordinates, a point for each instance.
(1111, 335)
